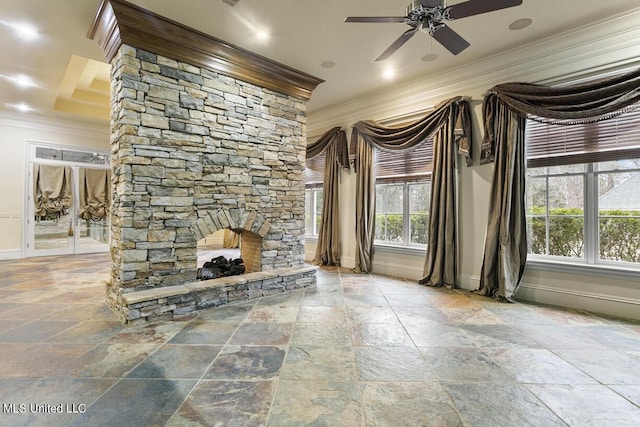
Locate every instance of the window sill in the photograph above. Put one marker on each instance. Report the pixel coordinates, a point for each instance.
(402, 250)
(603, 270)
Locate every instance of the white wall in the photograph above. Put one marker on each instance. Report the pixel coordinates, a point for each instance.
(16, 131)
(601, 48)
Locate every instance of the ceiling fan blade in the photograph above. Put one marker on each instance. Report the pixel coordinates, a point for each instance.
(375, 19)
(476, 7)
(450, 39)
(431, 3)
(396, 44)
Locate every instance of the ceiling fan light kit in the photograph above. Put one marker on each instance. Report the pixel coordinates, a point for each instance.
(429, 16)
(429, 19)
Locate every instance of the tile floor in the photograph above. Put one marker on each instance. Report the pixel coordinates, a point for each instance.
(360, 350)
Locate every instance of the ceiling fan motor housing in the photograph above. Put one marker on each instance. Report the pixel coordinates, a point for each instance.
(428, 19)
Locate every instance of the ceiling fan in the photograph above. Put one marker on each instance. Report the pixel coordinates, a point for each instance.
(429, 16)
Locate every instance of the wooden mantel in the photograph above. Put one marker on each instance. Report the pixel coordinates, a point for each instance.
(118, 22)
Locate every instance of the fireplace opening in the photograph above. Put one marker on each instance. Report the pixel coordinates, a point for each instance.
(251, 251)
(229, 253)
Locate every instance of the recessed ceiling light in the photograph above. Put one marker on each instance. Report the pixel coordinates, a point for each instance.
(20, 107)
(25, 31)
(22, 81)
(328, 64)
(520, 24)
(262, 35)
(429, 57)
(389, 73)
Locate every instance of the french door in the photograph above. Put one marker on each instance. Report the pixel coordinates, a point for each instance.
(64, 231)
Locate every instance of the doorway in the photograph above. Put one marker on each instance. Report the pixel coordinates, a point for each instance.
(68, 201)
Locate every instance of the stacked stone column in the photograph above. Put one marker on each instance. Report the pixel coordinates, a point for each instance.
(187, 142)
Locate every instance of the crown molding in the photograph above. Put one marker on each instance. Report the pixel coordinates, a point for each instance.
(118, 22)
(47, 124)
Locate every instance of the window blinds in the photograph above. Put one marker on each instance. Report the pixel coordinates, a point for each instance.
(405, 165)
(314, 171)
(612, 139)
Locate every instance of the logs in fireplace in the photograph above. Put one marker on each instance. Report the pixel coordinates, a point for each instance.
(221, 267)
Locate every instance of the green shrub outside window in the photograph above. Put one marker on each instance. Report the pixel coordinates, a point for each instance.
(402, 213)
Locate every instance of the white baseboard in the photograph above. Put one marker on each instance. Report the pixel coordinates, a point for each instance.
(345, 261)
(308, 256)
(396, 270)
(348, 261)
(10, 254)
(469, 283)
(590, 301)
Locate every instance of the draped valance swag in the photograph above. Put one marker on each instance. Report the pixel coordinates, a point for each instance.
(449, 124)
(335, 136)
(334, 144)
(564, 105)
(51, 190)
(408, 136)
(95, 185)
(505, 109)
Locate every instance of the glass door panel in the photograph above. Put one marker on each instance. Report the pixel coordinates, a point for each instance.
(94, 188)
(92, 236)
(51, 210)
(54, 235)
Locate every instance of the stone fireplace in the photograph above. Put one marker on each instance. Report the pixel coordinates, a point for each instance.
(205, 136)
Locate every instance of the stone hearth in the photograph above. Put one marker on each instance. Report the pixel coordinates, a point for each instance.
(196, 149)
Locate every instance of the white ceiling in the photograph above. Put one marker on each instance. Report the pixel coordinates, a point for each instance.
(302, 34)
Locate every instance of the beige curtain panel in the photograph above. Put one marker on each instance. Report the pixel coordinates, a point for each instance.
(52, 194)
(441, 262)
(505, 247)
(334, 144)
(451, 125)
(365, 207)
(506, 108)
(95, 187)
(230, 239)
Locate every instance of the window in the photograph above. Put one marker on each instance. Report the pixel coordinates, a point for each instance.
(583, 191)
(402, 196)
(314, 177)
(77, 156)
(313, 210)
(619, 210)
(555, 211)
(402, 213)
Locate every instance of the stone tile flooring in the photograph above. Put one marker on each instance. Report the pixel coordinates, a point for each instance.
(360, 350)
